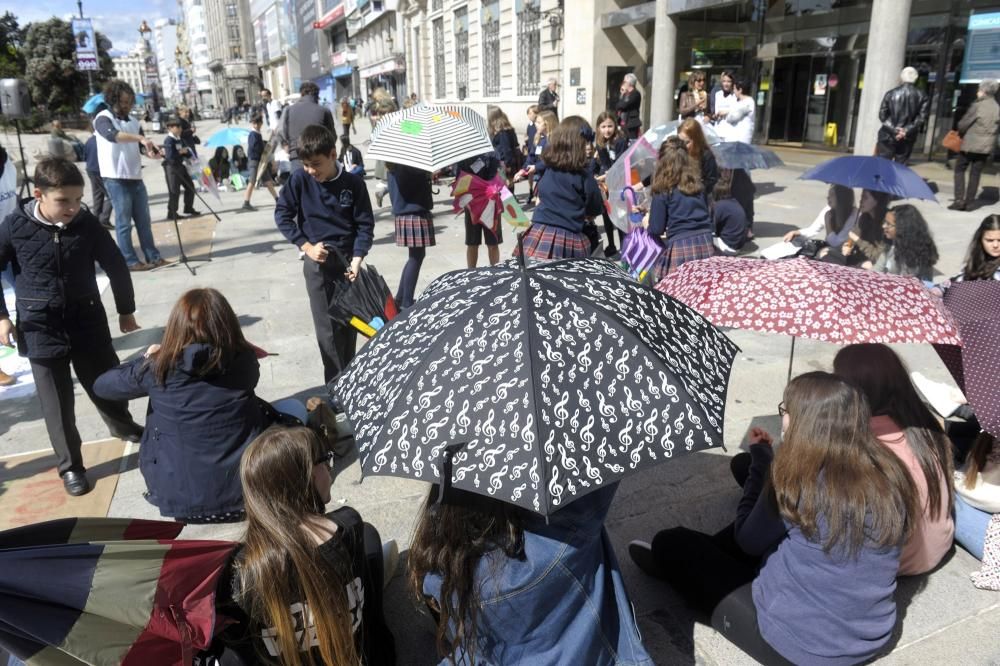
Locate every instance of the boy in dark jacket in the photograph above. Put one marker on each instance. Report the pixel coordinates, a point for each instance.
(174, 152)
(257, 169)
(52, 245)
(102, 200)
(327, 214)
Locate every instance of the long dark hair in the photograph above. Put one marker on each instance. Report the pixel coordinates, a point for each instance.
(843, 204)
(831, 469)
(871, 213)
(914, 243)
(978, 265)
(977, 458)
(882, 377)
(450, 540)
(199, 316)
(281, 564)
(676, 169)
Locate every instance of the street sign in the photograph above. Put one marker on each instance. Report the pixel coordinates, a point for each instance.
(85, 43)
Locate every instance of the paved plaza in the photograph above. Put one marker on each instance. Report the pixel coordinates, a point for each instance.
(944, 618)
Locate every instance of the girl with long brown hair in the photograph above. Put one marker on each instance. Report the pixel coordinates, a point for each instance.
(534, 165)
(835, 222)
(977, 494)
(304, 587)
(610, 143)
(824, 516)
(678, 209)
(202, 411)
(568, 194)
(903, 424)
(983, 257)
(691, 134)
(504, 584)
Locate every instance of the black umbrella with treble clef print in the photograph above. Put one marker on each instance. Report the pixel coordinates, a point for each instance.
(536, 385)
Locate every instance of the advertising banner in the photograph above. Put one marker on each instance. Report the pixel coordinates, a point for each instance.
(982, 48)
(86, 45)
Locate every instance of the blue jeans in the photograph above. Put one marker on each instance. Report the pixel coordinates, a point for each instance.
(292, 407)
(970, 527)
(131, 203)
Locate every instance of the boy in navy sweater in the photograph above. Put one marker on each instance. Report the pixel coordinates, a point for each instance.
(174, 152)
(327, 214)
(255, 151)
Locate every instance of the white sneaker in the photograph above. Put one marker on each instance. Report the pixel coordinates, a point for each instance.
(943, 398)
(722, 246)
(390, 559)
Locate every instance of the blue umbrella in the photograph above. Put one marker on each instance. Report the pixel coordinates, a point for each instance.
(90, 106)
(228, 136)
(872, 173)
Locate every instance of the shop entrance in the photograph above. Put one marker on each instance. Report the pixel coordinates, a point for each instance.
(789, 85)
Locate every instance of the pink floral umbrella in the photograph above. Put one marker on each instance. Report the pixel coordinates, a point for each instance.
(812, 299)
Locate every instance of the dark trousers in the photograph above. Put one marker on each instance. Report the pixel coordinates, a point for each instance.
(736, 618)
(337, 342)
(632, 133)
(177, 178)
(55, 393)
(977, 161)
(743, 191)
(102, 200)
(897, 151)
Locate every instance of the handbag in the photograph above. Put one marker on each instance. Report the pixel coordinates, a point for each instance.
(952, 141)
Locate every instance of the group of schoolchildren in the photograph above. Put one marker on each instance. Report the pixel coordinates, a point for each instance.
(859, 490)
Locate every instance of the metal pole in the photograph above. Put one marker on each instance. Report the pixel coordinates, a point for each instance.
(90, 75)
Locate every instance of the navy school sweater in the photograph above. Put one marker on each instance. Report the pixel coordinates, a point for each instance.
(410, 191)
(567, 198)
(679, 215)
(337, 212)
(255, 146)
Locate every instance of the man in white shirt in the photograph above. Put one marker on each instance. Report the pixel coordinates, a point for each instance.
(736, 119)
(119, 138)
(271, 108)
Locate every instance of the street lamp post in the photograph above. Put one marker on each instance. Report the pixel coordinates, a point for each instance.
(90, 76)
(149, 64)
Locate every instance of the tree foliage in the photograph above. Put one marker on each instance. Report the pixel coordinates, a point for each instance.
(51, 66)
(11, 40)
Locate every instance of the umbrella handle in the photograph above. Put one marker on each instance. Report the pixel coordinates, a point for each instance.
(445, 467)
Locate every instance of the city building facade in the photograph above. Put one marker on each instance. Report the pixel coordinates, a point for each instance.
(201, 94)
(274, 35)
(165, 46)
(376, 30)
(130, 67)
(232, 56)
(489, 53)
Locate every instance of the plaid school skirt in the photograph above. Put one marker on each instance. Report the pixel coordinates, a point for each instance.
(679, 252)
(542, 241)
(414, 231)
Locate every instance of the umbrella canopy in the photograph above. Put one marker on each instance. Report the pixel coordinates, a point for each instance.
(103, 590)
(812, 299)
(975, 366)
(872, 173)
(631, 168)
(429, 137)
(536, 386)
(91, 105)
(227, 137)
(739, 155)
(366, 303)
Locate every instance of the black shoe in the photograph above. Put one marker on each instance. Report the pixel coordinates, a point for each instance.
(192, 213)
(134, 437)
(958, 205)
(108, 226)
(176, 216)
(75, 482)
(642, 554)
(247, 206)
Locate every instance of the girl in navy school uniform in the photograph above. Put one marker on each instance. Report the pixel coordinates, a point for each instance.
(534, 165)
(611, 144)
(504, 140)
(568, 195)
(412, 202)
(678, 209)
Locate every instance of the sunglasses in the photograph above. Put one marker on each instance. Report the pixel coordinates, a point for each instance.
(325, 459)
(781, 409)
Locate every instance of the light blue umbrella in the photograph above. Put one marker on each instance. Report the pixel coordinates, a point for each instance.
(228, 136)
(90, 106)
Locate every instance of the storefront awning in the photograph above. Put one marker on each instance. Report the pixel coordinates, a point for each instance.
(331, 17)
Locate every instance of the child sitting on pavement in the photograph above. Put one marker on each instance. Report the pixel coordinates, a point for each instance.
(52, 244)
(327, 214)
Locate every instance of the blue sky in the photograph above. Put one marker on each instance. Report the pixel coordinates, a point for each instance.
(118, 19)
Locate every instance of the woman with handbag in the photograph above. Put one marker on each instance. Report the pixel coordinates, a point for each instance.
(978, 128)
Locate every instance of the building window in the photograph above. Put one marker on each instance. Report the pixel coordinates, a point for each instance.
(234, 33)
(439, 81)
(529, 47)
(437, 5)
(462, 52)
(230, 9)
(234, 53)
(490, 31)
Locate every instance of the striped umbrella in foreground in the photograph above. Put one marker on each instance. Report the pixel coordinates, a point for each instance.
(107, 591)
(429, 137)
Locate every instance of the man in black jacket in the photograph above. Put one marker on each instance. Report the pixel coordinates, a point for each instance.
(52, 244)
(629, 103)
(305, 112)
(903, 113)
(548, 99)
